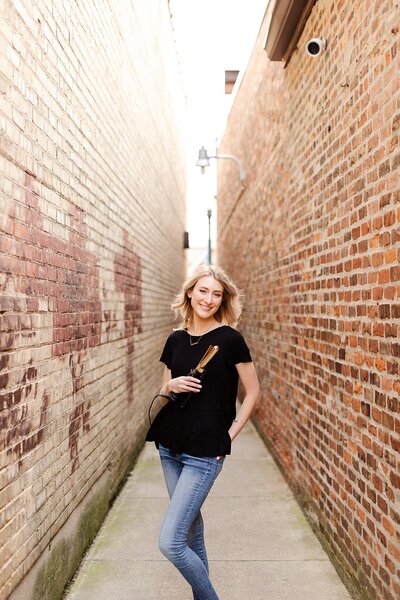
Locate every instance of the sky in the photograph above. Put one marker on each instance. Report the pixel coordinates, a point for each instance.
(211, 36)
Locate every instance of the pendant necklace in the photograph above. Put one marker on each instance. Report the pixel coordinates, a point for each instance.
(195, 343)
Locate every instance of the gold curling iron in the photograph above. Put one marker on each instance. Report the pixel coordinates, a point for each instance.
(198, 371)
(210, 353)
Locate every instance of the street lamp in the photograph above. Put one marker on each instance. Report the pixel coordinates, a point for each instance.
(204, 161)
(209, 213)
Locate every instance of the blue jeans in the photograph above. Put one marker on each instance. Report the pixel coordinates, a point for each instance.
(189, 480)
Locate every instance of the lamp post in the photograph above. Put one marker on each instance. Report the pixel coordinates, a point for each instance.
(203, 161)
(209, 213)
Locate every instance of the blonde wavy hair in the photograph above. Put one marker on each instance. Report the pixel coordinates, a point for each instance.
(231, 305)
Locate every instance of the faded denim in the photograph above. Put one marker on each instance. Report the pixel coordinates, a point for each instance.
(189, 480)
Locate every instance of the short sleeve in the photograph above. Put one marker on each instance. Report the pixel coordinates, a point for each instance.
(166, 355)
(239, 350)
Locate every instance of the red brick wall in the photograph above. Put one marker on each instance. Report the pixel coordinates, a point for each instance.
(92, 214)
(314, 240)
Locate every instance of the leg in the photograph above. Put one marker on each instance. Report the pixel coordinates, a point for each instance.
(196, 539)
(172, 469)
(197, 544)
(195, 481)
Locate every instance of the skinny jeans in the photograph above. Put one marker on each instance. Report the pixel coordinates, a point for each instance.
(189, 480)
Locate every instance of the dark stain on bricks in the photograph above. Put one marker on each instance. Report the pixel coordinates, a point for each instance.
(17, 395)
(76, 364)
(4, 380)
(79, 417)
(4, 360)
(7, 343)
(19, 439)
(60, 270)
(39, 265)
(110, 320)
(5, 398)
(75, 304)
(43, 409)
(29, 374)
(77, 307)
(73, 434)
(86, 417)
(128, 280)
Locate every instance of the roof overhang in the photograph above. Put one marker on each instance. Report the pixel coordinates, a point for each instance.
(287, 22)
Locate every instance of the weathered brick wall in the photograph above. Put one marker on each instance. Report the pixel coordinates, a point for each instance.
(92, 219)
(314, 240)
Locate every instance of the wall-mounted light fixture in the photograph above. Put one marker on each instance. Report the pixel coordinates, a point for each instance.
(186, 240)
(209, 214)
(204, 161)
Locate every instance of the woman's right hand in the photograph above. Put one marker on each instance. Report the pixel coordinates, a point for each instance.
(185, 383)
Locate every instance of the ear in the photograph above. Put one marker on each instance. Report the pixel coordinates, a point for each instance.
(189, 296)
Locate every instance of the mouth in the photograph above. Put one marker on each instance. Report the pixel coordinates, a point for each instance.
(205, 308)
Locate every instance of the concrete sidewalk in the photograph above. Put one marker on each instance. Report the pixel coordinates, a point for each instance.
(260, 545)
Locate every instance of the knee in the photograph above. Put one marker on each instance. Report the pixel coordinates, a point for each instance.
(169, 547)
(166, 546)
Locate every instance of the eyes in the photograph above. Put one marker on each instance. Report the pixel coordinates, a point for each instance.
(216, 294)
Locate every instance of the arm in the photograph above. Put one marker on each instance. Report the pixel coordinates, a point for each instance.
(166, 376)
(249, 379)
(177, 385)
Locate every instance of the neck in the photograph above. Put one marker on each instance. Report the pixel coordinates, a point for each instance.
(198, 327)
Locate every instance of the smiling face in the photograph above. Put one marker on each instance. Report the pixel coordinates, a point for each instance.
(206, 298)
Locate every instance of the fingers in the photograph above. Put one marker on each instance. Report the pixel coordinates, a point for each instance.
(185, 384)
(193, 381)
(191, 384)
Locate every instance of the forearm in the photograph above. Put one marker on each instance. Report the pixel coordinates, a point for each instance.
(243, 414)
(249, 379)
(178, 385)
(165, 389)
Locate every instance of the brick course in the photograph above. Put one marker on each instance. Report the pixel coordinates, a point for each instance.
(314, 242)
(91, 251)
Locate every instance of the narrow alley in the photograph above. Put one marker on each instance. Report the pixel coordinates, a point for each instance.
(260, 544)
(104, 108)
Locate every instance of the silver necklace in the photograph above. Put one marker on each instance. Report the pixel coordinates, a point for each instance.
(204, 333)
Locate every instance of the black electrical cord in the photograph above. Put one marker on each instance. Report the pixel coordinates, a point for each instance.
(198, 372)
(152, 402)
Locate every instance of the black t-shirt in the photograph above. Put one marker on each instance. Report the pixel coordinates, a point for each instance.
(200, 427)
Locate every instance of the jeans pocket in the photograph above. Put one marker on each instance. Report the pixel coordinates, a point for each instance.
(164, 452)
(219, 464)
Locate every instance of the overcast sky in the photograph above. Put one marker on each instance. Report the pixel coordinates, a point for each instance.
(212, 36)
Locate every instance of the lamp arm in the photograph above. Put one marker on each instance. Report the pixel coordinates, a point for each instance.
(231, 157)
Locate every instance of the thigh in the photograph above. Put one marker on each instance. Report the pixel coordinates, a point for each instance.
(172, 468)
(194, 483)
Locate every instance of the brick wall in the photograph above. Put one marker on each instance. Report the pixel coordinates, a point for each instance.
(92, 214)
(314, 240)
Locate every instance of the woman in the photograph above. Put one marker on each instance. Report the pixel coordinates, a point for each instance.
(194, 431)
